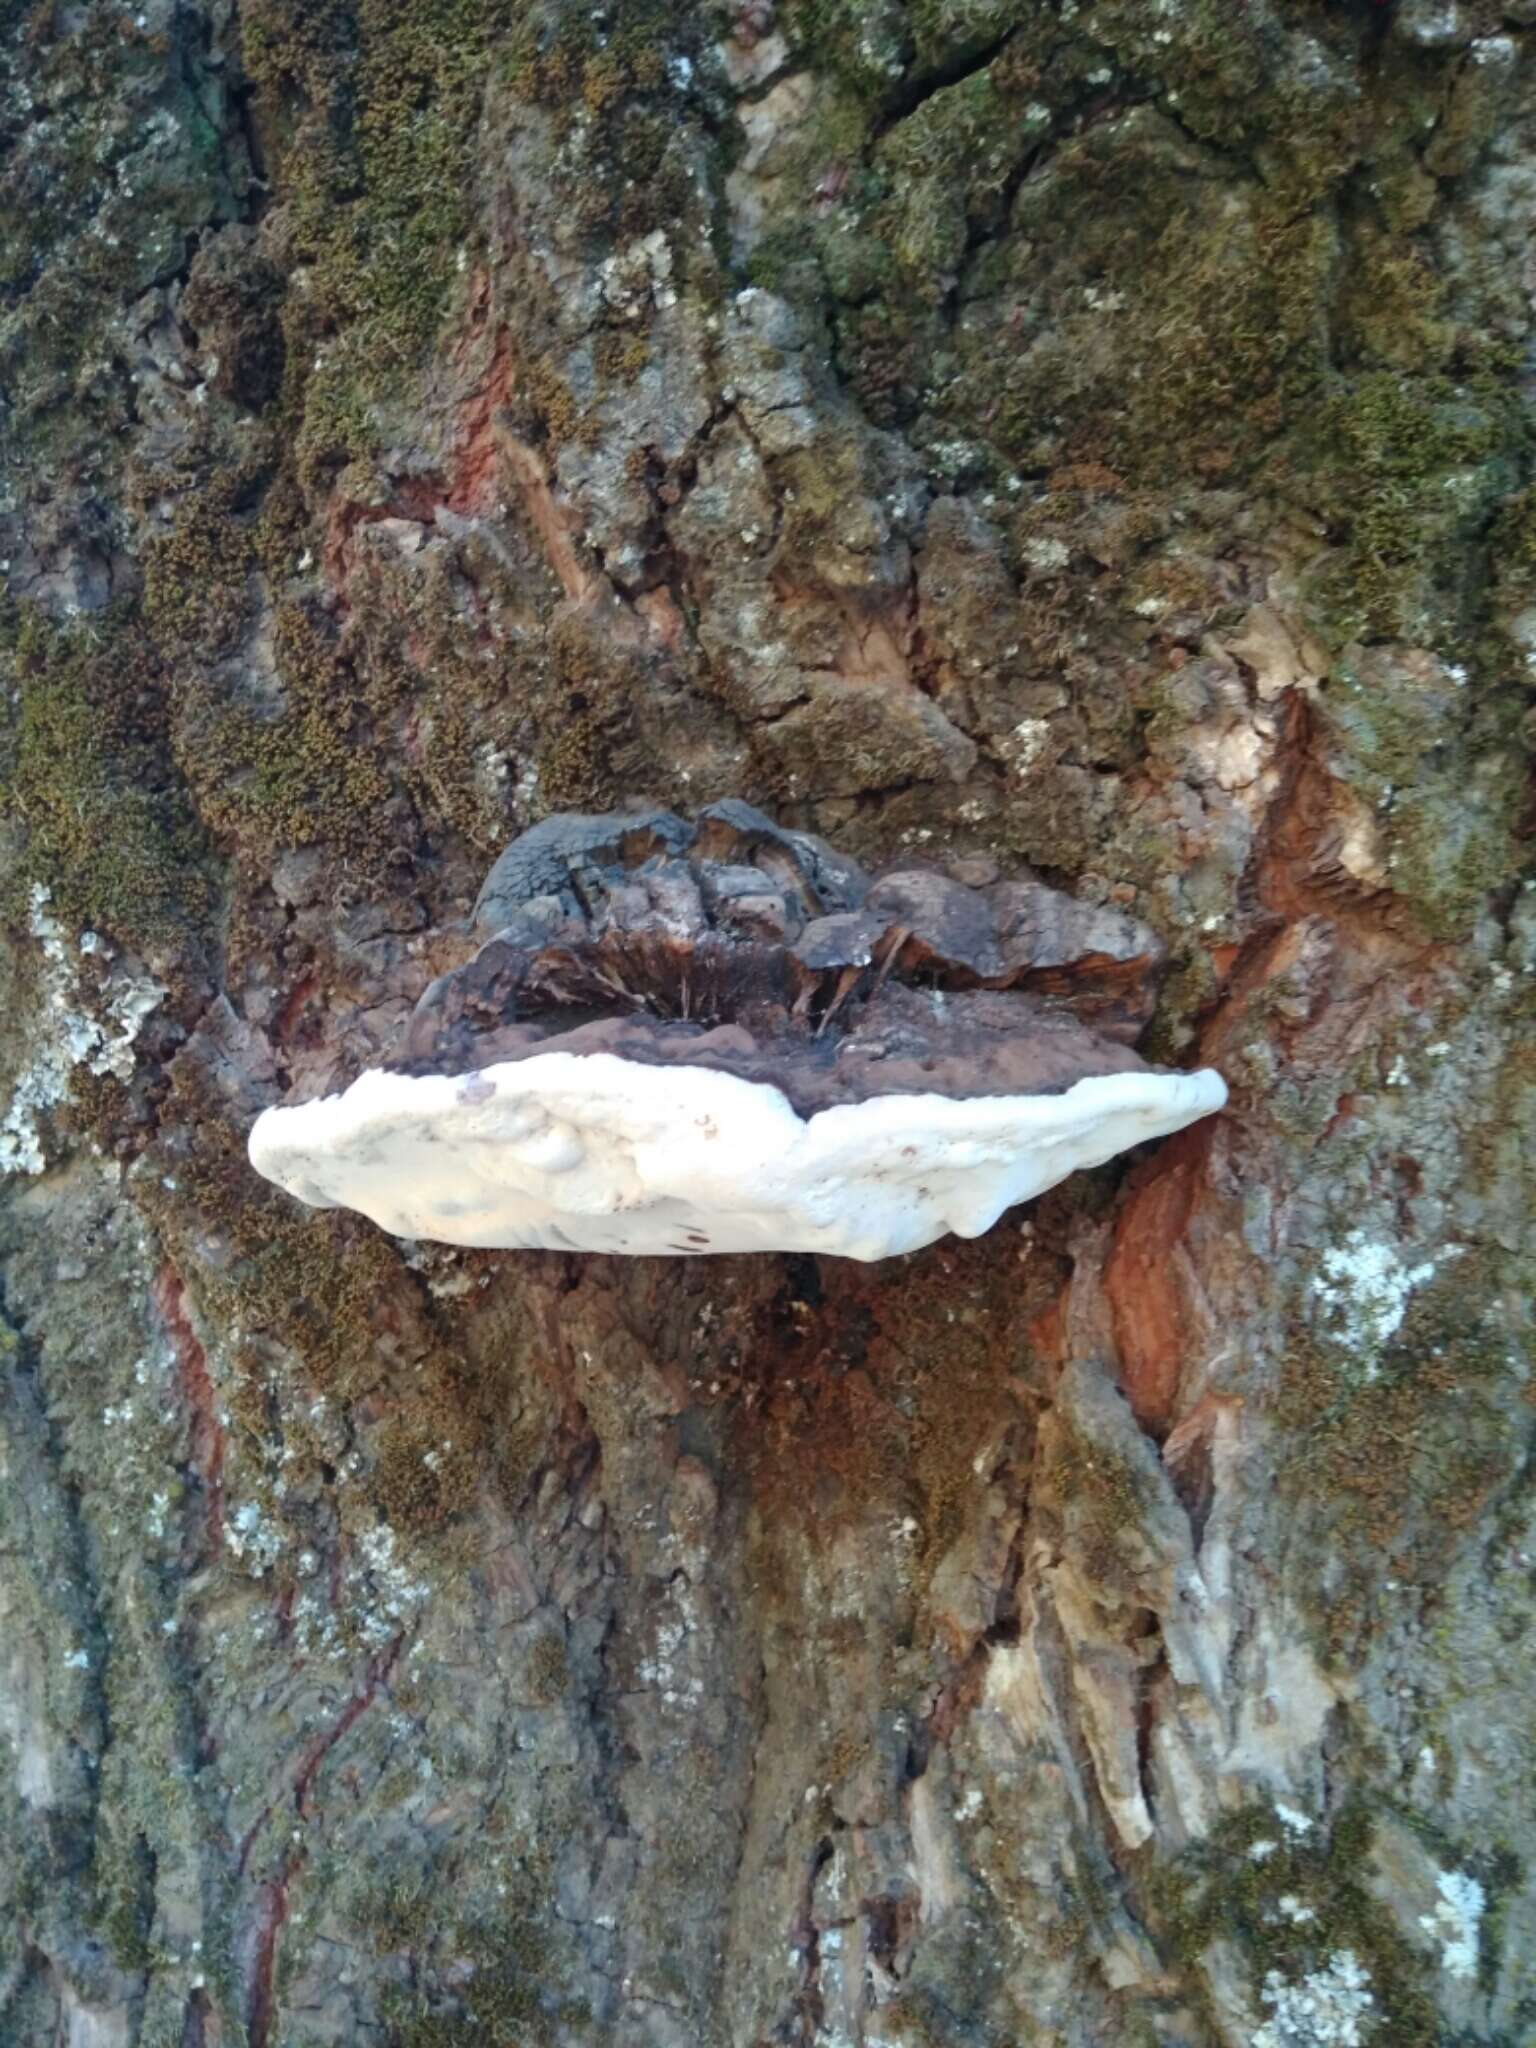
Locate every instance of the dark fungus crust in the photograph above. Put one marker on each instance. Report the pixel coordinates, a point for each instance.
(735, 944)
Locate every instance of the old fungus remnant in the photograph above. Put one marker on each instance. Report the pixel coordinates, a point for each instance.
(724, 1037)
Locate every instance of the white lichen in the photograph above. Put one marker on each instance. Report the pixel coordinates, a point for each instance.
(1289, 1907)
(1367, 1289)
(1026, 743)
(1455, 1922)
(100, 1041)
(251, 1537)
(397, 1597)
(638, 276)
(1329, 2008)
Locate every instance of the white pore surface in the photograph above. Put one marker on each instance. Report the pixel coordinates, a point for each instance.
(590, 1152)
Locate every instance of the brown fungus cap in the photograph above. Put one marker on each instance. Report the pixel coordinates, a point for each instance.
(737, 945)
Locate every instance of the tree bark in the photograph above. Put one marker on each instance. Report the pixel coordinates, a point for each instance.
(1090, 439)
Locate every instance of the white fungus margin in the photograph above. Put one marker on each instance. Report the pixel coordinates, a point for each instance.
(593, 1152)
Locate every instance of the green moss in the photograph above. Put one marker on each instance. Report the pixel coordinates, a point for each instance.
(1393, 1461)
(1390, 723)
(1407, 468)
(1152, 329)
(85, 772)
(1393, 305)
(196, 599)
(125, 1881)
(1439, 758)
(372, 108)
(449, 712)
(1230, 338)
(402, 1915)
(574, 774)
(1191, 985)
(554, 401)
(496, 1981)
(612, 85)
(1242, 82)
(326, 1307)
(1450, 847)
(314, 1283)
(865, 44)
(335, 418)
(513, 1999)
(947, 168)
(290, 777)
(1221, 1891)
(1503, 1878)
(620, 357)
(549, 1670)
(562, 58)
(1057, 824)
(1513, 544)
(418, 1477)
(1105, 1501)
(875, 352)
(289, 767)
(281, 527)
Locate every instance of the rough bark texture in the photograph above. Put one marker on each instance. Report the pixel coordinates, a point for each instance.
(1090, 438)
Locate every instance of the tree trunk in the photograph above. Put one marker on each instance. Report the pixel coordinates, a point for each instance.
(1084, 438)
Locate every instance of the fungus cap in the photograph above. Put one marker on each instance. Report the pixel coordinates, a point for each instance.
(724, 1036)
(593, 1152)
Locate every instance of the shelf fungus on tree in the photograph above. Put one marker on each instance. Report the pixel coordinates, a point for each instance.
(724, 1037)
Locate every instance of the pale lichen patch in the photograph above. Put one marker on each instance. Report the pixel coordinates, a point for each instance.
(1455, 1921)
(1367, 1288)
(1328, 2008)
(73, 1036)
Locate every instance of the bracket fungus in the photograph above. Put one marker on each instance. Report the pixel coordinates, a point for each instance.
(723, 1036)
